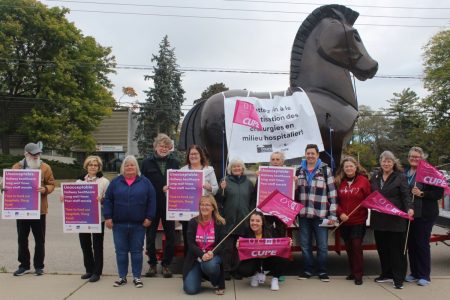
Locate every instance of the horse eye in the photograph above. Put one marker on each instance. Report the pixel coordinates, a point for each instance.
(357, 38)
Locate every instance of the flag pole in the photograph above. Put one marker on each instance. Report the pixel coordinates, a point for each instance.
(407, 230)
(232, 230)
(228, 156)
(359, 205)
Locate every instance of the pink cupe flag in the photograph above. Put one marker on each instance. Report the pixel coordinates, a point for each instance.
(379, 203)
(246, 114)
(428, 174)
(280, 206)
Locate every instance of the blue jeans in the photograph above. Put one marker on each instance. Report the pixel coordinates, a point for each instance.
(210, 268)
(308, 227)
(129, 238)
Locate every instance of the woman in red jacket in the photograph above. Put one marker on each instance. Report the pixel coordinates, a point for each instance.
(353, 188)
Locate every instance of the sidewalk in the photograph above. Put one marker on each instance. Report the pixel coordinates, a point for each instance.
(58, 287)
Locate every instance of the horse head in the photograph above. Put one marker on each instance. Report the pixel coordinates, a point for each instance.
(325, 50)
(328, 45)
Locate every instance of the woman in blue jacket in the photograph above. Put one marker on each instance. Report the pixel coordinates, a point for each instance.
(129, 208)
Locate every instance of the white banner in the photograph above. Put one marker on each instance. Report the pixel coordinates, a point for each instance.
(289, 124)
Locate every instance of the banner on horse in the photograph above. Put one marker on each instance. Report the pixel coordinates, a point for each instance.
(288, 123)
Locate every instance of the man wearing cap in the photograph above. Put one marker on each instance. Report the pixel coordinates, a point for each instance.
(32, 160)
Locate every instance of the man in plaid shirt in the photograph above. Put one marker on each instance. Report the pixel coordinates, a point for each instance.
(316, 191)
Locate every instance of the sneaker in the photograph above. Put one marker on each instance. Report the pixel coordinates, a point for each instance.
(381, 279)
(120, 282)
(304, 275)
(166, 272)
(398, 286)
(39, 272)
(410, 278)
(261, 278)
(138, 283)
(274, 285)
(21, 271)
(151, 271)
(324, 278)
(94, 278)
(254, 281)
(358, 281)
(281, 279)
(237, 276)
(86, 276)
(423, 282)
(350, 277)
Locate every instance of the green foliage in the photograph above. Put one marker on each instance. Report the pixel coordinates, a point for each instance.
(408, 123)
(372, 129)
(161, 111)
(363, 153)
(437, 104)
(54, 72)
(60, 170)
(211, 90)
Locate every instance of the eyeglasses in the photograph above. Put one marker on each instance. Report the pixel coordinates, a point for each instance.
(92, 165)
(205, 205)
(415, 157)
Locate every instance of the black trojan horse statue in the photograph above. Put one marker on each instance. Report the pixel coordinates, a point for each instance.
(326, 48)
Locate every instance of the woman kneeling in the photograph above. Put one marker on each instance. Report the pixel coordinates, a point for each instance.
(256, 267)
(203, 234)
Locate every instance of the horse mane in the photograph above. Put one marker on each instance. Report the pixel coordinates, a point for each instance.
(334, 11)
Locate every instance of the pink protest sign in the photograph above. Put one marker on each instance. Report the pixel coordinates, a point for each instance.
(275, 178)
(246, 114)
(281, 206)
(21, 197)
(377, 202)
(261, 248)
(184, 193)
(81, 208)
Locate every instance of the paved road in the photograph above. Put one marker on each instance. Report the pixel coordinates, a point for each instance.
(63, 253)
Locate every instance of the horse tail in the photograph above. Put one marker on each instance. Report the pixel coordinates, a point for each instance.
(190, 128)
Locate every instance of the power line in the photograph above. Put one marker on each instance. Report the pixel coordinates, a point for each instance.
(235, 18)
(231, 9)
(196, 69)
(354, 5)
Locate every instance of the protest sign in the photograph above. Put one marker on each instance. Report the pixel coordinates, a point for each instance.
(275, 178)
(81, 208)
(184, 193)
(21, 197)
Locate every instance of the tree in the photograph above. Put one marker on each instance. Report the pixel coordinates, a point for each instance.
(211, 90)
(54, 74)
(408, 122)
(372, 129)
(437, 104)
(162, 107)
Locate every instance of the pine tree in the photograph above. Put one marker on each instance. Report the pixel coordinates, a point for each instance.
(161, 111)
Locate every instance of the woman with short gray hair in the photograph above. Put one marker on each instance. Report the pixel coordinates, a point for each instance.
(237, 199)
(129, 208)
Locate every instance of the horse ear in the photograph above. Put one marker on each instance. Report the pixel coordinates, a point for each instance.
(345, 14)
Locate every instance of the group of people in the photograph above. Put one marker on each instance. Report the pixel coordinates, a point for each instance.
(134, 203)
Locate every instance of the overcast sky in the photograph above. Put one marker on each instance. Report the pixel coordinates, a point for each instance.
(216, 39)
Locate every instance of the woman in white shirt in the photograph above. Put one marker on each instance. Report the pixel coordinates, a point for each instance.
(196, 160)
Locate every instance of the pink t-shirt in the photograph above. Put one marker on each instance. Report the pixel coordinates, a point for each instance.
(130, 181)
(205, 236)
